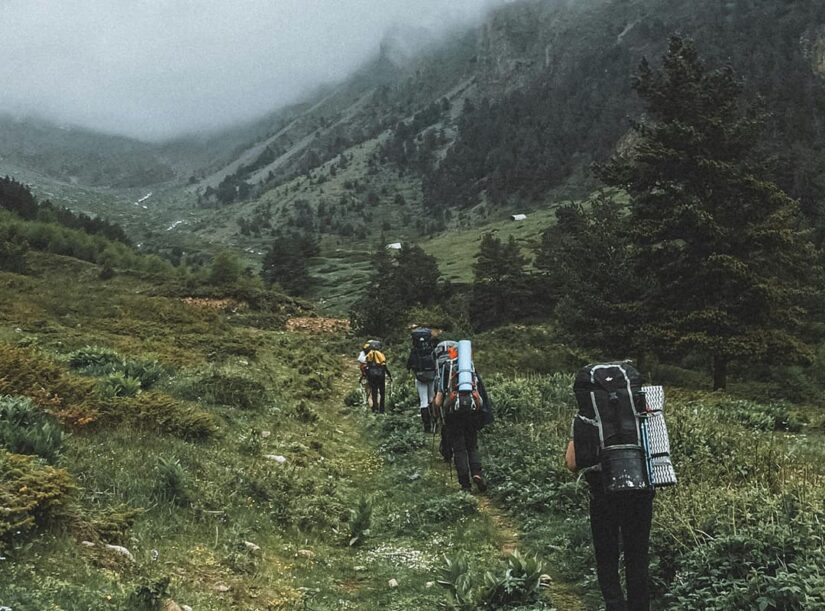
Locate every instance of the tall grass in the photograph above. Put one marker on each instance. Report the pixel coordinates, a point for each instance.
(742, 524)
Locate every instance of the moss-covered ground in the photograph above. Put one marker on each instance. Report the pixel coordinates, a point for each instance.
(235, 482)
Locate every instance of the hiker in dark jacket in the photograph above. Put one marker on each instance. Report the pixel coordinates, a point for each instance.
(460, 433)
(619, 521)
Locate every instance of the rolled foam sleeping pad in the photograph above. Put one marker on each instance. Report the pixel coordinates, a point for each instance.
(465, 366)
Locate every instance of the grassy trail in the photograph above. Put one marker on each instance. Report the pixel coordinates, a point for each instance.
(418, 515)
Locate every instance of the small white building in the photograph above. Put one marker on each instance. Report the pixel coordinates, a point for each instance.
(394, 246)
(518, 217)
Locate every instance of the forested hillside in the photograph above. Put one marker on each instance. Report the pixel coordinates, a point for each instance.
(435, 134)
(516, 111)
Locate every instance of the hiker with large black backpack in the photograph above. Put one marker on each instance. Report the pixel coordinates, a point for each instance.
(612, 438)
(461, 402)
(421, 363)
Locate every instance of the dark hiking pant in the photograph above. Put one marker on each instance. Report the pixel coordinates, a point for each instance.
(378, 387)
(622, 520)
(461, 432)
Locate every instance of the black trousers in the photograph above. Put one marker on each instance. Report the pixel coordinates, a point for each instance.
(461, 433)
(622, 519)
(377, 389)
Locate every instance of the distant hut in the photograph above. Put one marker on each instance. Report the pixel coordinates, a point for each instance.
(518, 217)
(394, 246)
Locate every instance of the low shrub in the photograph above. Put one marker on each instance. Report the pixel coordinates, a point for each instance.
(149, 595)
(753, 415)
(25, 429)
(537, 398)
(294, 498)
(30, 494)
(99, 361)
(13, 251)
(162, 413)
(758, 567)
(433, 512)
(519, 582)
(95, 360)
(399, 435)
(225, 388)
(402, 396)
(303, 412)
(119, 385)
(354, 398)
(26, 372)
(171, 483)
(360, 520)
(108, 524)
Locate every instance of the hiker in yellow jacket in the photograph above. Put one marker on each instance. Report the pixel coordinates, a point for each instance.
(377, 374)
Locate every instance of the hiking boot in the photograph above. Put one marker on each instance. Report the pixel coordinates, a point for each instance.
(481, 483)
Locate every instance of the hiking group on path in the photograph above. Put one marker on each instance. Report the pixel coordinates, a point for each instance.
(618, 441)
(452, 397)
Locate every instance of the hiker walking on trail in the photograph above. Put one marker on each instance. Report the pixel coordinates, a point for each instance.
(606, 447)
(421, 363)
(362, 366)
(462, 403)
(377, 374)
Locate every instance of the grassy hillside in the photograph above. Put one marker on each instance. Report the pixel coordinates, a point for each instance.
(236, 464)
(187, 474)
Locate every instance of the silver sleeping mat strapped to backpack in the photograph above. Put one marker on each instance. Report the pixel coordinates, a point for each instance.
(658, 442)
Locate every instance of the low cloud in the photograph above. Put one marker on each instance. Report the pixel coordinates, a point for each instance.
(158, 68)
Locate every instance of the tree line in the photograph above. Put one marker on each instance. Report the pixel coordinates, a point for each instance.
(690, 247)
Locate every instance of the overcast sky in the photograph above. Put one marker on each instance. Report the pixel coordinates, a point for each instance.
(156, 68)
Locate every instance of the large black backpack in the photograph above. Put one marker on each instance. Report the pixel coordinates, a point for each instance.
(608, 429)
(422, 360)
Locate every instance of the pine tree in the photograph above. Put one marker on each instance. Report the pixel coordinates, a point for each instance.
(379, 311)
(225, 270)
(730, 268)
(416, 277)
(286, 263)
(500, 292)
(586, 272)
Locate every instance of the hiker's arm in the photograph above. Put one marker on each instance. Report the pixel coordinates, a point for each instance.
(570, 456)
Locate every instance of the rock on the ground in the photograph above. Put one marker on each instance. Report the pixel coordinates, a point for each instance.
(393, 583)
(305, 553)
(171, 605)
(87, 544)
(276, 457)
(119, 549)
(222, 588)
(252, 547)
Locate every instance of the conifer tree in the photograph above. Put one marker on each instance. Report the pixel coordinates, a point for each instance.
(500, 293)
(731, 270)
(379, 311)
(586, 273)
(416, 276)
(286, 263)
